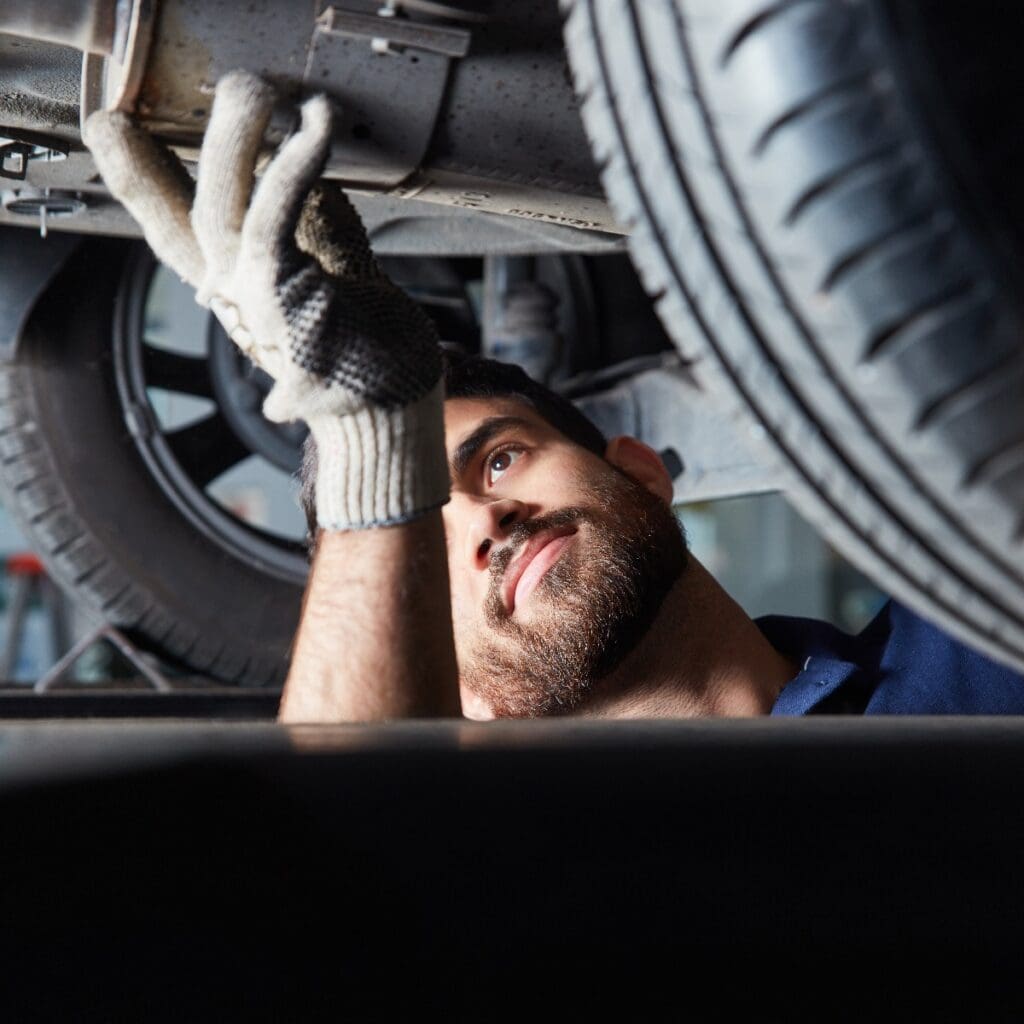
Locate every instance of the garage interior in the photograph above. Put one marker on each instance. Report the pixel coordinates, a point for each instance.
(781, 243)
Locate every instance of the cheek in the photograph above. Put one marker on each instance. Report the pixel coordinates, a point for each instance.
(464, 600)
(572, 484)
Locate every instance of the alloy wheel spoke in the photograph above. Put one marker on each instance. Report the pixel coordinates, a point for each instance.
(207, 448)
(174, 371)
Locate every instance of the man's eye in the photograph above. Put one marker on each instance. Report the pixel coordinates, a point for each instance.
(499, 462)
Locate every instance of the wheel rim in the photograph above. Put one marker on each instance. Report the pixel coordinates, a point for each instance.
(187, 460)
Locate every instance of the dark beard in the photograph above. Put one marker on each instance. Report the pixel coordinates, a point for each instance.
(600, 596)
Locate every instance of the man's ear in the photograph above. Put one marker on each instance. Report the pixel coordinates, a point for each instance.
(642, 463)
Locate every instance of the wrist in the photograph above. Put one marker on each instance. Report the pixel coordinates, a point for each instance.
(380, 467)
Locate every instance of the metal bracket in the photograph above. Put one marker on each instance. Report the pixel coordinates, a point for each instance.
(43, 204)
(388, 34)
(121, 642)
(392, 8)
(18, 148)
(388, 75)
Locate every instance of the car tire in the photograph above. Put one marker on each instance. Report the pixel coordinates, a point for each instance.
(811, 242)
(76, 484)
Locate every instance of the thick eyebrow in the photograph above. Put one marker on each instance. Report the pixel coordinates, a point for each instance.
(468, 448)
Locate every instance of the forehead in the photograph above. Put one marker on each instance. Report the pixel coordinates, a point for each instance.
(463, 415)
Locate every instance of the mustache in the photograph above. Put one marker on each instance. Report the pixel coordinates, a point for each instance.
(521, 533)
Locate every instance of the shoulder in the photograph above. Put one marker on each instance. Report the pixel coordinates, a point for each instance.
(801, 638)
(924, 669)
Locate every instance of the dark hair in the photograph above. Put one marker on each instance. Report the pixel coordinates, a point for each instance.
(473, 376)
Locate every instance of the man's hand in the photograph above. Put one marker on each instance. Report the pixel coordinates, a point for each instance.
(286, 266)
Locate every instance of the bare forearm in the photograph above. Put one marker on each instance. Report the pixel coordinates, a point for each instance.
(375, 639)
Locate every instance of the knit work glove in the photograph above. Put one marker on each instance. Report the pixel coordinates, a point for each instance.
(286, 267)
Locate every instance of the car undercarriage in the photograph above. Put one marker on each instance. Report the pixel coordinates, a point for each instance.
(780, 243)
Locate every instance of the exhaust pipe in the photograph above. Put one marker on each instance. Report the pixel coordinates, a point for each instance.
(471, 108)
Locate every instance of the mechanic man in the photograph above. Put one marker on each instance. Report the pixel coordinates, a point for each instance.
(479, 546)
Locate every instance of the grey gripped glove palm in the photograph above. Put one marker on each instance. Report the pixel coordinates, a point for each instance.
(286, 267)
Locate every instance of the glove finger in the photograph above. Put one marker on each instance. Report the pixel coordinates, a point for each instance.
(241, 111)
(274, 213)
(331, 230)
(153, 186)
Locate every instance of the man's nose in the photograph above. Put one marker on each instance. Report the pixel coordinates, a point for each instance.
(490, 525)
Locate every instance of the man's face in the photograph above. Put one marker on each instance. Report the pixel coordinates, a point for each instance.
(559, 560)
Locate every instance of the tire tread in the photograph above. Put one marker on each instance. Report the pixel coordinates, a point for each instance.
(981, 600)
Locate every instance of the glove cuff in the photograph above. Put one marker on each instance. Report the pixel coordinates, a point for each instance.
(379, 467)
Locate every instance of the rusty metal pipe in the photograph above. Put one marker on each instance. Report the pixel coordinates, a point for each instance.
(468, 106)
(472, 112)
(93, 26)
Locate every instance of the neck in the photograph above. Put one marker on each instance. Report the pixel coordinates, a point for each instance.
(702, 656)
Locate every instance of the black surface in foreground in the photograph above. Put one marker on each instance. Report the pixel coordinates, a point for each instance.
(214, 702)
(248, 871)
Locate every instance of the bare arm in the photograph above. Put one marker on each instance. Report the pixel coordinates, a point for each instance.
(375, 639)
